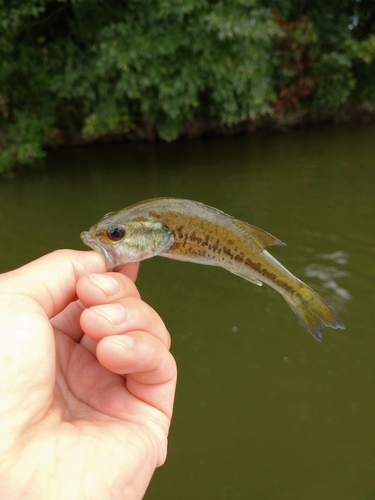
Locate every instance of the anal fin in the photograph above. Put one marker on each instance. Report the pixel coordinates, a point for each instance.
(244, 275)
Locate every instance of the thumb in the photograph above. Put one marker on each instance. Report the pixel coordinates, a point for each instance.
(51, 280)
(28, 295)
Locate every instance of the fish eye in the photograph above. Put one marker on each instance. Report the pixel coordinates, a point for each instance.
(115, 233)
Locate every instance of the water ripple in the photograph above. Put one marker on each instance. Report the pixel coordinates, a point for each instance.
(339, 257)
(329, 274)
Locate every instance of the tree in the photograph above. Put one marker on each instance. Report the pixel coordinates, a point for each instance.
(82, 69)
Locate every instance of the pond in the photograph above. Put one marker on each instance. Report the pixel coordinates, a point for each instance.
(263, 411)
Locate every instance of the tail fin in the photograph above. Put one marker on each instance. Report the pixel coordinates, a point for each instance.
(314, 313)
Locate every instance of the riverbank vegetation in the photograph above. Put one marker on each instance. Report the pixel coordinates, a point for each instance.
(75, 71)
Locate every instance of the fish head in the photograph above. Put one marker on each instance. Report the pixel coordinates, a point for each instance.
(123, 240)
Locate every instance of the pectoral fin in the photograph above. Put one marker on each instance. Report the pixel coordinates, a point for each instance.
(264, 238)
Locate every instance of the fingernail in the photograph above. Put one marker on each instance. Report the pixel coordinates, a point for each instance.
(114, 313)
(125, 341)
(106, 283)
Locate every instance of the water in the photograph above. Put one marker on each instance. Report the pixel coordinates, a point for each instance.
(263, 411)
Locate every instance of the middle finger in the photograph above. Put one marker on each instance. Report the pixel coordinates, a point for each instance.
(123, 316)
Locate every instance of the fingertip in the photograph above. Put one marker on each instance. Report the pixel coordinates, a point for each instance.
(94, 289)
(150, 368)
(137, 353)
(114, 352)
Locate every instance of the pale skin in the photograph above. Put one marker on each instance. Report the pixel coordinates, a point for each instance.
(87, 382)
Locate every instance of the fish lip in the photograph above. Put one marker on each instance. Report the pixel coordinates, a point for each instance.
(109, 257)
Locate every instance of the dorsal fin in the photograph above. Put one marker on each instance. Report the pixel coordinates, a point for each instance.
(264, 238)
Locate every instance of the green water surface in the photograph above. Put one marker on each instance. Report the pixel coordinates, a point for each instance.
(263, 411)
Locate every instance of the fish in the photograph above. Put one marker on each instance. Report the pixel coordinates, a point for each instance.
(191, 231)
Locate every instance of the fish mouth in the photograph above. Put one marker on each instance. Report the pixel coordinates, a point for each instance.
(109, 256)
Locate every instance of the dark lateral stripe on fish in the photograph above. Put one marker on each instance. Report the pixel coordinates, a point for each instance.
(183, 236)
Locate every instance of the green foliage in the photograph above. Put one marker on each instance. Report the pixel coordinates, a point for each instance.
(363, 50)
(80, 68)
(24, 142)
(171, 62)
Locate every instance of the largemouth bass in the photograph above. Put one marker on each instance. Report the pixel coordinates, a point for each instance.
(191, 231)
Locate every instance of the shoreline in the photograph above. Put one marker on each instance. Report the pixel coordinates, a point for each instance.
(146, 132)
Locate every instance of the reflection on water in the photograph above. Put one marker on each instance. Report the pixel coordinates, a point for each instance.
(338, 257)
(329, 274)
(263, 411)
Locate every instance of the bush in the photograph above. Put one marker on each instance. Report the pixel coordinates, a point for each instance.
(82, 69)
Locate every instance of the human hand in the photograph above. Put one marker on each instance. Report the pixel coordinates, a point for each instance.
(86, 386)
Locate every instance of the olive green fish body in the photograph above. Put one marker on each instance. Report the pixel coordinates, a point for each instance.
(191, 231)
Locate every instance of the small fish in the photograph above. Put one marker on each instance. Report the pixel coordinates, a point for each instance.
(191, 231)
